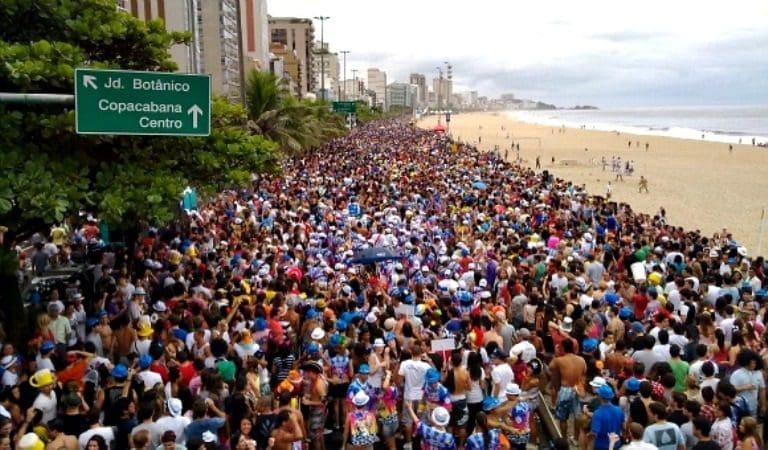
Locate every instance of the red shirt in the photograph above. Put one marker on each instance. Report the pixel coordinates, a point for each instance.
(641, 302)
(186, 372)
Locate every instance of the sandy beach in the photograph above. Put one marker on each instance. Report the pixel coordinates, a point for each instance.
(702, 185)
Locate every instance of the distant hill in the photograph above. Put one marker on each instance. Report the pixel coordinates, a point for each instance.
(585, 107)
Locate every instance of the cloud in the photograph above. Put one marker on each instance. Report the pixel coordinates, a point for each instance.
(654, 53)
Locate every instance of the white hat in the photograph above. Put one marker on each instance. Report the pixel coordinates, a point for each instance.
(512, 389)
(4, 412)
(317, 334)
(379, 342)
(588, 237)
(485, 294)
(159, 306)
(371, 318)
(139, 291)
(8, 361)
(483, 283)
(441, 416)
(361, 398)
(424, 269)
(597, 382)
(567, 324)
(174, 407)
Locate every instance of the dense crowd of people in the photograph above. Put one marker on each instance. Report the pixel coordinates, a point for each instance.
(396, 289)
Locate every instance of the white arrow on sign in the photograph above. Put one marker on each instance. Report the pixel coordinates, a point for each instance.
(89, 81)
(195, 111)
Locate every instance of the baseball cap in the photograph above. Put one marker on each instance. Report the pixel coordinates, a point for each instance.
(364, 369)
(589, 345)
(433, 376)
(605, 392)
(120, 372)
(145, 361)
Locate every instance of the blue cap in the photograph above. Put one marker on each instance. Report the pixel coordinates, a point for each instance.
(260, 324)
(145, 361)
(433, 376)
(311, 313)
(364, 369)
(101, 313)
(611, 298)
(92, 322)
(605, 392)
(335, 340)
(120, 372)
(341, 325)
(47, 346)
(589, 345)
(389, 336)
(490, 403)
(637, 327)
(625, 313)
(313, 347)
(632, 384)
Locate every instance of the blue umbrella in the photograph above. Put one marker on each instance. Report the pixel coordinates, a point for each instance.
(374, 255)
(479, 185)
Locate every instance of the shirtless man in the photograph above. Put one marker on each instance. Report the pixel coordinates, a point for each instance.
(105, 332)
(287, 431)
(315, 400)
(59, 440)
(568, 377)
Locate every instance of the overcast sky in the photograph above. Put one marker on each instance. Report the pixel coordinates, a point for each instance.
(609, 53)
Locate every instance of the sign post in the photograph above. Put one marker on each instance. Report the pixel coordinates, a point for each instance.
(144, 103)
(345, 107)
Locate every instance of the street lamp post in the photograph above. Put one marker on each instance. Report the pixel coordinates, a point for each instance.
(322, 20)
(344, 53)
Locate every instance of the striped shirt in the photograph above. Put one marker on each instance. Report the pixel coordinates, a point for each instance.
(434, 439)
(476, 442)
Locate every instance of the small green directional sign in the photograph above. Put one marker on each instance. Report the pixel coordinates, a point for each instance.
(151, 103)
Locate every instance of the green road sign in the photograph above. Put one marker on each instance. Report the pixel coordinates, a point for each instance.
(131, 102)
(345, 107)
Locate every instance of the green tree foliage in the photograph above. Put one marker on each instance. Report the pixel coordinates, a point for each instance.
(293, 124)
(48, 172)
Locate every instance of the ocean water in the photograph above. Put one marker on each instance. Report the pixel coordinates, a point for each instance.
(729, 124)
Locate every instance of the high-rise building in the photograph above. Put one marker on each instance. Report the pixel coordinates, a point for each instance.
(443, 88)
(329, 73)
(421, 81)
(255, 27)
(377, 82)
(298, 35)
(402, 95)
(216, 40)
(178, 15)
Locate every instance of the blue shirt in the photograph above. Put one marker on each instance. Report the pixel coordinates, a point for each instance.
(608, 418)
(200, 426)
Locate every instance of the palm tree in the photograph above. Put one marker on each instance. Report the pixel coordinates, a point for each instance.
(294, 125)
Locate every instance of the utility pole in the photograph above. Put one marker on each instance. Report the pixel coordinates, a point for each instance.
(322, 20)
(344, 53)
